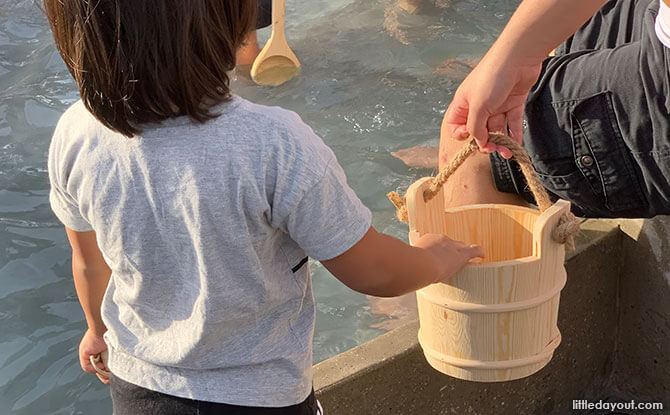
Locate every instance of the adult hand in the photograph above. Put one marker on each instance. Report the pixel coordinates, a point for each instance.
(92, 345)
(491, 99)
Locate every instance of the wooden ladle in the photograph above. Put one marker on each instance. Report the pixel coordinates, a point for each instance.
(276, 63)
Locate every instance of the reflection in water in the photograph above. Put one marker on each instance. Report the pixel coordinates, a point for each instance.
(367, 90)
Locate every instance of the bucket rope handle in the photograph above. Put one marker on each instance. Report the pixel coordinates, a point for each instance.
(567, 226)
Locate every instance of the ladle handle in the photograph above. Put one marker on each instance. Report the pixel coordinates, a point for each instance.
(278, 18)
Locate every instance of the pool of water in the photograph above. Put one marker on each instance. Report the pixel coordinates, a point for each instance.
(374, 79)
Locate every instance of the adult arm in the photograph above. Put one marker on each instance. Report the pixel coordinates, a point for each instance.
(384, 266)
(493, 95)
(91, 276)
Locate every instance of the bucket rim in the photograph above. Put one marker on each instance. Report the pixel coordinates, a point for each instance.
(477, 206)
(508, 262)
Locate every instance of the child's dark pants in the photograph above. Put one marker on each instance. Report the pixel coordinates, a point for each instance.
(129, 399)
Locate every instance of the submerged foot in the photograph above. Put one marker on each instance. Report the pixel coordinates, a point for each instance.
(399, 310)
(418, 156)
(410, 6)
(455, 68)
(423, 6)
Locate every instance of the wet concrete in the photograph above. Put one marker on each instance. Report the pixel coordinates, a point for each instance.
(614, 318)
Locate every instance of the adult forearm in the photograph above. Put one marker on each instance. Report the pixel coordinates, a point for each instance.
(538, 26)
(91, 283)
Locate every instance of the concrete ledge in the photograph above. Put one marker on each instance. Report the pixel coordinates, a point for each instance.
(642, 364)
(389, 374)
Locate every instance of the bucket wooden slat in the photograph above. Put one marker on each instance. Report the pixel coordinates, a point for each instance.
(426, 215)
(475, 222)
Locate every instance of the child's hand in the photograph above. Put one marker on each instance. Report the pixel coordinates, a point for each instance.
(92, 345)
(450, 256)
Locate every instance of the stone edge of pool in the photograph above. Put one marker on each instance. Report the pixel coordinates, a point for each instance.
(614, 323)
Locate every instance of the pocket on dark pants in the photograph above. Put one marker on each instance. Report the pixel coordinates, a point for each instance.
(578, 151)
(602, 157)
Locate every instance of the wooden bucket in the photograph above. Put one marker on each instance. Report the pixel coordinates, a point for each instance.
(496, 320)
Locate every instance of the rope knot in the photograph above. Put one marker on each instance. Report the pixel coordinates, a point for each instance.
(565, 230)
(401, 206)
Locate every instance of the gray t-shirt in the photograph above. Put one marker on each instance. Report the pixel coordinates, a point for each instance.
(206, 228)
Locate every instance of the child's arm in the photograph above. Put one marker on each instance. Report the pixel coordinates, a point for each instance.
(91, 276)
(384, 266)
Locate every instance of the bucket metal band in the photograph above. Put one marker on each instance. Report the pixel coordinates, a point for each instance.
(495, 308)
(545, 354)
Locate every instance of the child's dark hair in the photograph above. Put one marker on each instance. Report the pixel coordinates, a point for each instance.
(143, 61)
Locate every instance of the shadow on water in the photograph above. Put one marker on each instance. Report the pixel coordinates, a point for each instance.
(368, 86)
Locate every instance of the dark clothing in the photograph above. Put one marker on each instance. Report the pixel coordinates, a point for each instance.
(264, 14)
(596, 123)
(129, 399)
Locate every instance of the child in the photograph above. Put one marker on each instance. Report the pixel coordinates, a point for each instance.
(191, 213)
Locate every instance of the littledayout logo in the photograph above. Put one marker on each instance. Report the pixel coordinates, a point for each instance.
(612, 406)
